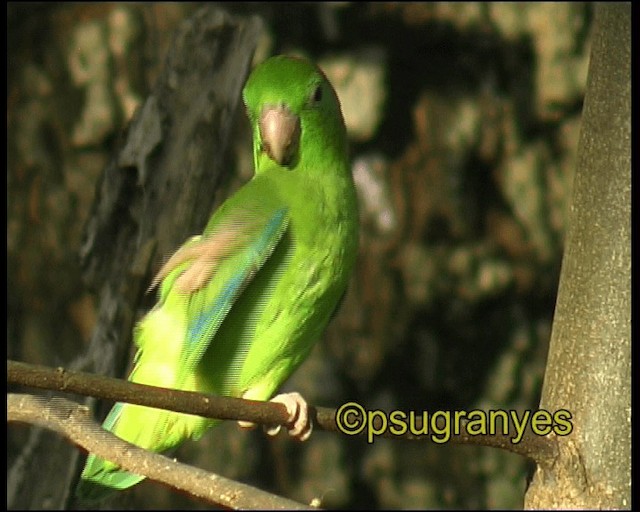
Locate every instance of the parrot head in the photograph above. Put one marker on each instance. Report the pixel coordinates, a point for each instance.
(292, 107)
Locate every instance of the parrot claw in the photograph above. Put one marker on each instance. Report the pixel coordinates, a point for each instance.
(299, 425)
(249, 425)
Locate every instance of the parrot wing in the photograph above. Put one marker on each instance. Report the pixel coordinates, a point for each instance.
(212, 270)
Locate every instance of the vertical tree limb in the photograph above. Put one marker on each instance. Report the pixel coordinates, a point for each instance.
(589, 365)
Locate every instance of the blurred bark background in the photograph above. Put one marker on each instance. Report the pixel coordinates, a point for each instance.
(464, 121)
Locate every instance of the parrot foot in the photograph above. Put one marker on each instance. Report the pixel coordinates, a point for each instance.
(299, 425)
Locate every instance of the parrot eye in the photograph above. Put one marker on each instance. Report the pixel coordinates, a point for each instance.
(316, 97)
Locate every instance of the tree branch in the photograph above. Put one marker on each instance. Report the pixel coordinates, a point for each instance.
(209, 406)
(72, 421)
(541, 449)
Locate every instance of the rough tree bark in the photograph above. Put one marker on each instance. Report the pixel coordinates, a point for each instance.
(589, 365)
(157, 190)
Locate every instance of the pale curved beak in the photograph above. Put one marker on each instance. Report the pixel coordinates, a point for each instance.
(280, 133)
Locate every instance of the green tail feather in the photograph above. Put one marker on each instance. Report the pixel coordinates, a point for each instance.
(101, 479)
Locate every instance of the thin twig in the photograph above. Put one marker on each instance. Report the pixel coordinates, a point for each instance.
(72, 421)
(208, 406)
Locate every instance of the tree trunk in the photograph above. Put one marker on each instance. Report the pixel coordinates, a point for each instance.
(156, 191)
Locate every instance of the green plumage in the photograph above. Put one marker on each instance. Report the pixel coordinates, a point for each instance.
(241, 306)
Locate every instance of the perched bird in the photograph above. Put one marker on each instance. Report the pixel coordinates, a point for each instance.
(241, 305)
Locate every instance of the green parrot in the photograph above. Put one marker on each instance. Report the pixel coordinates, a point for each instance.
(241, 305)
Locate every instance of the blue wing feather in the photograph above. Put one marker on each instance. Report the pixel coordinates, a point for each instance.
(206, 321)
